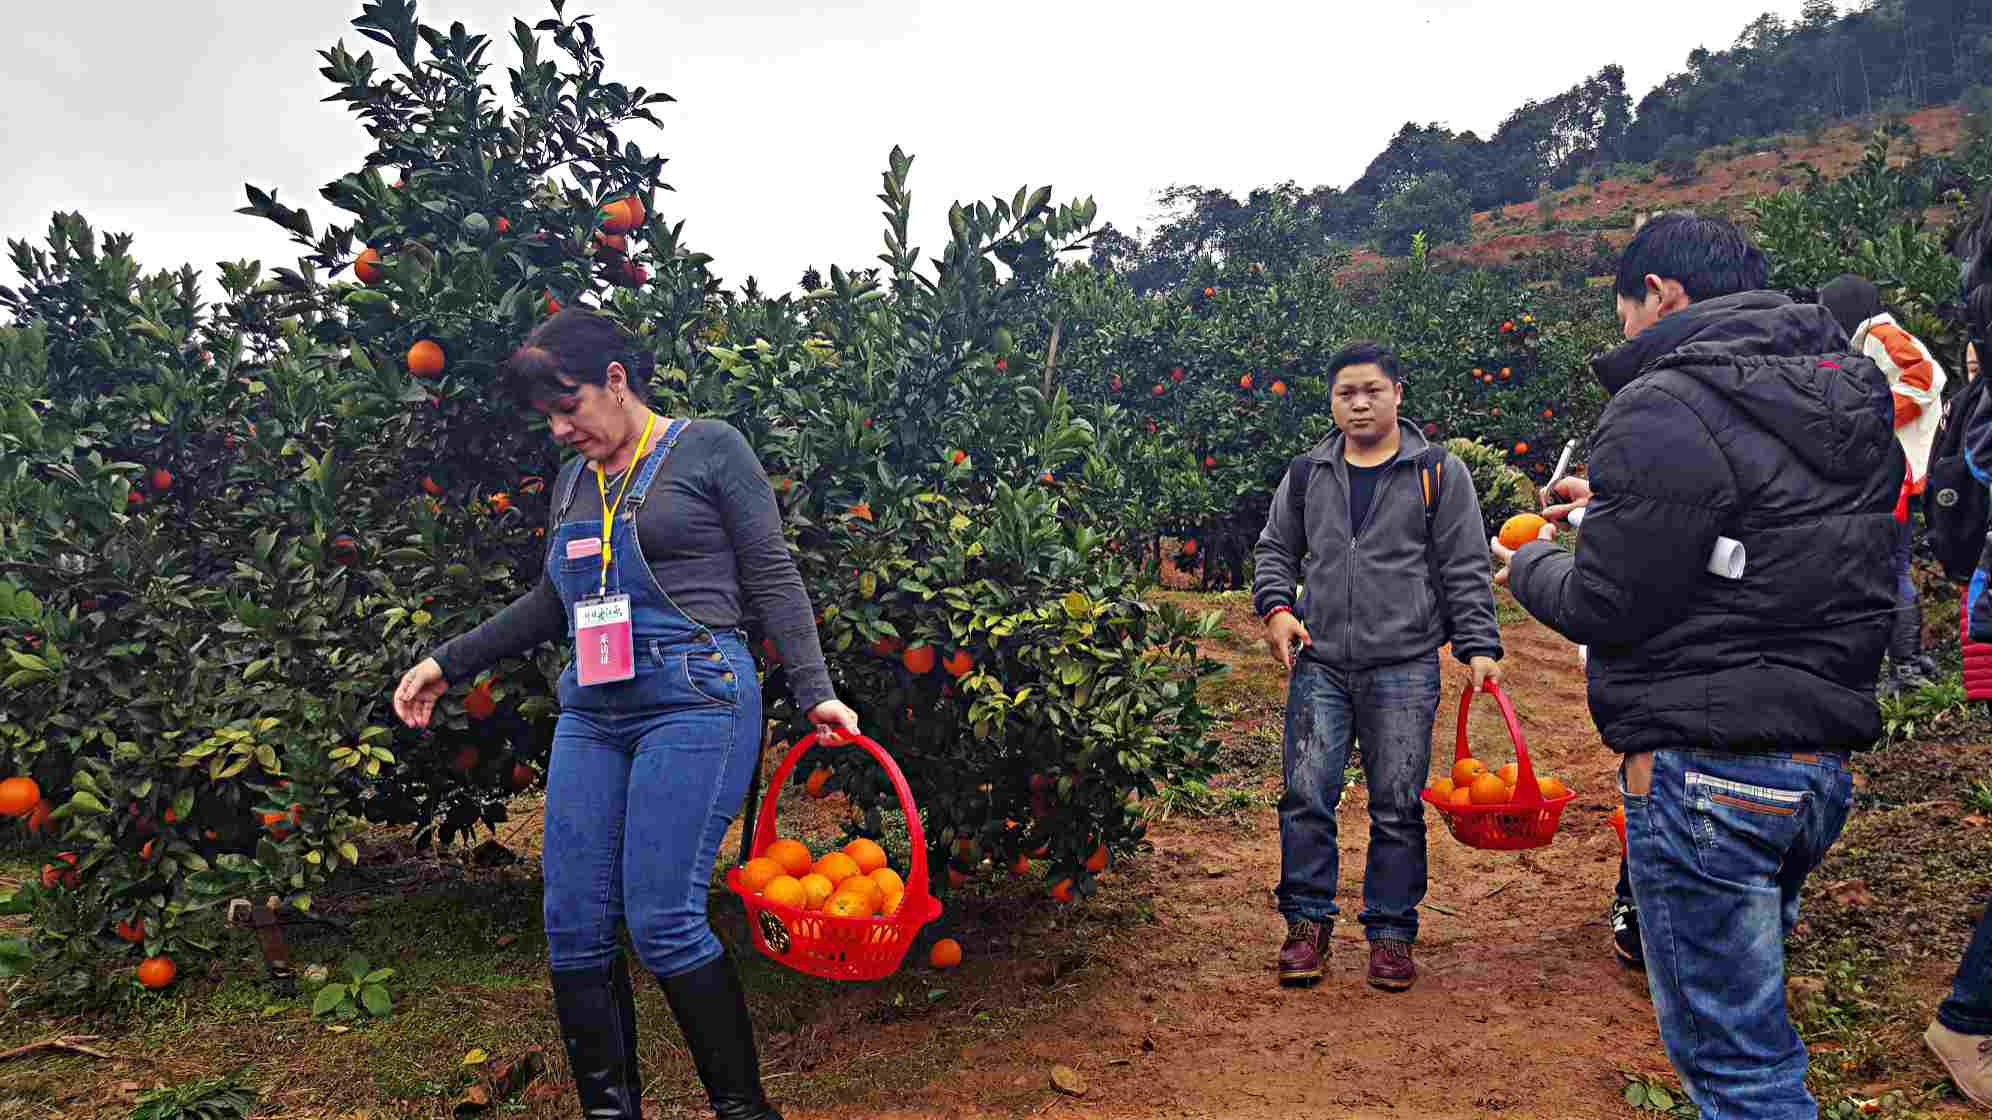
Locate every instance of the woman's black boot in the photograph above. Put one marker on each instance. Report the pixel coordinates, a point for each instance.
(597, 1010)
(711, 1010)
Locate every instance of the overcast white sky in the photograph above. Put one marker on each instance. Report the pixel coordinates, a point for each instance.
(149, 116)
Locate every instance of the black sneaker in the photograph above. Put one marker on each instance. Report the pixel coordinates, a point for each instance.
(1625, 933)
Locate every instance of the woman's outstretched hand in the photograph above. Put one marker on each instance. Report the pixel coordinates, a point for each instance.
(415, 698)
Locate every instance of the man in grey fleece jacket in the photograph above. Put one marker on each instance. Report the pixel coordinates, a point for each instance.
(1373, 674)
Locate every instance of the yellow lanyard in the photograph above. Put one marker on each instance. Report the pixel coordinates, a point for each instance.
(609, 508)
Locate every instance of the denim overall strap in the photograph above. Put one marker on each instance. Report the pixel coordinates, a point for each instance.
(639, 487)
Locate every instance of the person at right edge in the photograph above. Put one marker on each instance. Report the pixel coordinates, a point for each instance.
(1916, 381)
(1961, 1033)
(1734, 412)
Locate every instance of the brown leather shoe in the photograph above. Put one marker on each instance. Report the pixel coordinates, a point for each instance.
(1305, 949)
(1390, 966)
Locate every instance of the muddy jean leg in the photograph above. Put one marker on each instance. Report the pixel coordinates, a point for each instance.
(1394, 706)
(1319, 728)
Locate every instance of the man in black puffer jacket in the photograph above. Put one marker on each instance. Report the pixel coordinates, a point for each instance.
(1735, 412)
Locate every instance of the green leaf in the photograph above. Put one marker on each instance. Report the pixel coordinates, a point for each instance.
(87, 802)
(374, 997)
(1659, 1099)
(329, 998)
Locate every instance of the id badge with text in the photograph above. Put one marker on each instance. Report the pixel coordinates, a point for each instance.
(604, 649)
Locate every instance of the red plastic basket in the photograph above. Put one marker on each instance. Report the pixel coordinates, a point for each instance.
(819, 944)
(1527, 820)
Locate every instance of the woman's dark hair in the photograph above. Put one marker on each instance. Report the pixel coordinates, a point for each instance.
(575, 347)
(1708, 257)
(1978, 318)
(1363, 352)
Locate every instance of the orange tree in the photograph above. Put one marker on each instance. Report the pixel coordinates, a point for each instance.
(1223, 380)
(224, 529)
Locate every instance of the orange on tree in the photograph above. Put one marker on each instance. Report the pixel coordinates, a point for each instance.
(918, 659)
(946, 953)
(162, 479)
(1098, 860)
(1465, 770)
(425, 359)
(1520, 530)
(818, 890)
(788, 891)
(836, 867)
(18, 797)
(479, 705)
(53, 876)
(131, 931)
(818, 783)
(430, 487)
(867, 854)
(1489, 789)
(1062, 890)
(622, 215)
(758, 872)
(1022, 866)
(156, 972)
(1279, 388)
(793, 855)
(959, 663)
(367, 266)
(38, 817)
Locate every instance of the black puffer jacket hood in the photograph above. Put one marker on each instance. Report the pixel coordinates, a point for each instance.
(1824, 410)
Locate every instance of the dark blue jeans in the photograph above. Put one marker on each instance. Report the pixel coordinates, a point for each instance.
(1719, 850)
(1969, 1008)
(1906, 636)
(1389, 710)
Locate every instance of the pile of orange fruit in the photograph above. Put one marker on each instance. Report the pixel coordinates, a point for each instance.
(1472, 783)
(851, 882)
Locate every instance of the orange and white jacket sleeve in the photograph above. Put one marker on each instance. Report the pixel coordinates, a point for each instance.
(1916, 381)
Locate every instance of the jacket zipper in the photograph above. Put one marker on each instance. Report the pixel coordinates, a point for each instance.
(1376, 495)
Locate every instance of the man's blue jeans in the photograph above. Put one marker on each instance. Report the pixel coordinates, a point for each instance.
(1389, 709)
(1718, 851)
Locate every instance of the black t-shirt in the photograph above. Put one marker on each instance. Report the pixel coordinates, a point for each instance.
(1362, 488)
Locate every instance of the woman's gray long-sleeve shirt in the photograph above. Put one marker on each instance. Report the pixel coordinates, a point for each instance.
(712, 533)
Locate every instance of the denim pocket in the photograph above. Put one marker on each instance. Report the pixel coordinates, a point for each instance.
(1743, 832)
(710, 676)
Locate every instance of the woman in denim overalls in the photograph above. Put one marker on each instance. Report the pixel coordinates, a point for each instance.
(651, 760)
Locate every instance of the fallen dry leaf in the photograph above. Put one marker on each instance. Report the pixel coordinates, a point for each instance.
(1852, 893)
(1067, 1080)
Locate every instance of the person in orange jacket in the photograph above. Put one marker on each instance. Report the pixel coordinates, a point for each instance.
(1916, 382)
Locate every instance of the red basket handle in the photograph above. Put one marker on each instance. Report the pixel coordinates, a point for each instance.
(1525, 782)
(764, 827)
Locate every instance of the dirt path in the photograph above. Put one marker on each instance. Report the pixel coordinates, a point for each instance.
(1520, 1008)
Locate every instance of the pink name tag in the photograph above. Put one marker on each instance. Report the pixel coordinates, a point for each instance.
(604, 650)
(584, 546)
